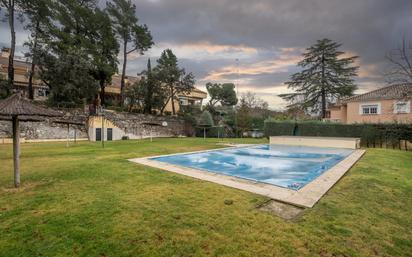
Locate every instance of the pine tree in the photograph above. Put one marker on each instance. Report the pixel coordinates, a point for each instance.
(129, 31)
(104, 52)
(38, 17)
(326, 76)
(174, 78)
(223, 93)
(150, 88)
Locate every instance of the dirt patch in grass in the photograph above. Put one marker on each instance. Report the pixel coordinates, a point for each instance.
(282, 210)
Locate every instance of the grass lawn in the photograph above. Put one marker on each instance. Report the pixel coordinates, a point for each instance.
(89, 201)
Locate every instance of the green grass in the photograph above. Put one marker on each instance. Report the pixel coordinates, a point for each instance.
(89, 201)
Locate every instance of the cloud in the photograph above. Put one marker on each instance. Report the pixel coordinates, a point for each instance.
(281, 62)
(267, 36)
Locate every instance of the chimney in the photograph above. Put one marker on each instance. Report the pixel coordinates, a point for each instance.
(5, 52)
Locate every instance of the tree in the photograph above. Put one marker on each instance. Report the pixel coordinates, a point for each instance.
(106, 51)
(205, 121)
(4, 87)
(135, 95)
(174, 78)
(221, 93)
(10, 6)
(38, 14)
(129, 31)
(69, 79)
(244, 117)
(326, 75)
(400, 60)
(79, 28)
(252, 111)
(154, 95)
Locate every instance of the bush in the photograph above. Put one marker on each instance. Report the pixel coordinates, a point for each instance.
(370, 134)
(280, 128)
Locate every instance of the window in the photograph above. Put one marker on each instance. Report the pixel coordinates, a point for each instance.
(370, 109)
(183, 101)
(42, 92)
(402, 107)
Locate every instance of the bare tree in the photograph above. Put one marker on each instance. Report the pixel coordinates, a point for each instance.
(400, 60)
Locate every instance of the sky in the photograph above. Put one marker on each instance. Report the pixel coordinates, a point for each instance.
(257, 44)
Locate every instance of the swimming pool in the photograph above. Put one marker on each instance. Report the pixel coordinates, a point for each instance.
(285, 166)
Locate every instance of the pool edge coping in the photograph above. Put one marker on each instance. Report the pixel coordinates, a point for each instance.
(305, 197)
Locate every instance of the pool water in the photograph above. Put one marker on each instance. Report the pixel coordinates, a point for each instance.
(285, 166)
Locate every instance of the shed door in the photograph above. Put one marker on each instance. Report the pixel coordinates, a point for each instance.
(98, 134)
(109, 134)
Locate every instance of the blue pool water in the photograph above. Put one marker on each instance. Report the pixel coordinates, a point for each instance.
(285, 166)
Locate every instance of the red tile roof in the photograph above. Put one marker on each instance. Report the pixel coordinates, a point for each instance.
(400, 91)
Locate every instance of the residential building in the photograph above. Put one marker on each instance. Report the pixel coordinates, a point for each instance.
(21, 75)
(385, 105)
(112, 92)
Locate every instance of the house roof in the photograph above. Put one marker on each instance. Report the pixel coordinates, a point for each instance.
(399, 91)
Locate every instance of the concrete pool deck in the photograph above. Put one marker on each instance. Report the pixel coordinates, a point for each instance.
(306, 197)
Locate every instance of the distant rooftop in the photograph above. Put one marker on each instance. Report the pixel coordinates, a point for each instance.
(398, 91)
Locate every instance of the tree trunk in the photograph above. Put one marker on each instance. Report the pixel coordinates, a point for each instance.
(148, 99)
(164, 105)
(323, 92)
(102, 92)
(172, 98)
(16, 150)
(122, 82)
(33, 63)
(12, 45)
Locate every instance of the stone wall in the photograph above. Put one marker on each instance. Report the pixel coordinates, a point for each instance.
(132, 126)
(49, 129)
(123, 124)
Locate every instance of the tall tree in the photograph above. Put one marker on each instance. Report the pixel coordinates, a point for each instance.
(10, 6)
(326, 75)
(68, 59)
(400, 60)
(123, 14)
(38, 14)
(154, 95)
(174, 78)
(221, 93)
(106, 51)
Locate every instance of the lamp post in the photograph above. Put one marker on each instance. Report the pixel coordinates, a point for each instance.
(101, 112)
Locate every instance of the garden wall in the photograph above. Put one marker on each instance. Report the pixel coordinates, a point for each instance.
(132, 126)
(47, 130)
(123, 125)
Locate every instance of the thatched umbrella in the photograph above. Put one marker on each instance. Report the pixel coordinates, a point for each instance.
(68, 123)
(16, 108)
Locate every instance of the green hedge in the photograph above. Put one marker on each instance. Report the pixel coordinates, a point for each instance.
(375, 135)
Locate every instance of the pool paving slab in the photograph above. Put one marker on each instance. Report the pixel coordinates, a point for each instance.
(305, 197)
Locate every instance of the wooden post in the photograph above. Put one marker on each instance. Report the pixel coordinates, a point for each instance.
(75, 135)
(102, 134)
(151, 136)
(204, 133)
(16, 150)
(68, 132)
